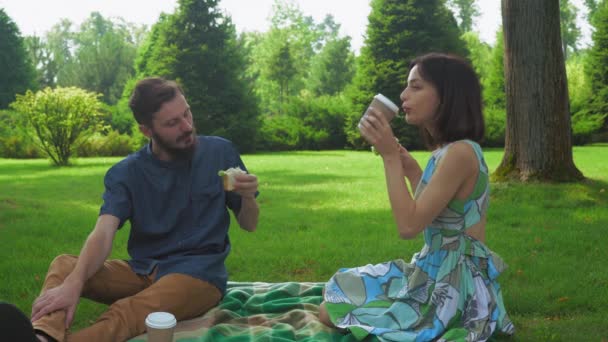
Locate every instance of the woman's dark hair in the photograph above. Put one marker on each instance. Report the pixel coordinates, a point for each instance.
(149, 95)
(459, 115)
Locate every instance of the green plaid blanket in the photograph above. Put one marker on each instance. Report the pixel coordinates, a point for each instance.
(261, 312)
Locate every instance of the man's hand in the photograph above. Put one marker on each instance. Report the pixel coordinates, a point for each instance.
(246, 185)
(63, 297)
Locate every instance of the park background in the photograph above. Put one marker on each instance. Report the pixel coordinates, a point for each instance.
(289, 98)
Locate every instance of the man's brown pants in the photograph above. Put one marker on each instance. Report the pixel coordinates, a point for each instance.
(131, 297)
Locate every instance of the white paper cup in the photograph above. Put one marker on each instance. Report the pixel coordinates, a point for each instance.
(385, 106)
(160, 326)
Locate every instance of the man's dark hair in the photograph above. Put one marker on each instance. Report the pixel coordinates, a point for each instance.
(459, 115)
(149, 95)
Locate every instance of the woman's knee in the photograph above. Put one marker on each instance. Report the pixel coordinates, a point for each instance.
(324, 316)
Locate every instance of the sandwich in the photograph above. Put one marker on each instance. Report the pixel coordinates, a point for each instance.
(228, 177)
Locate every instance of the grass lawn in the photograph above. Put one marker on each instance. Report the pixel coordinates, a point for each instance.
(324, 210)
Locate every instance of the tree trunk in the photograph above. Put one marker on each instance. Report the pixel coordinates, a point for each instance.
(538, 143)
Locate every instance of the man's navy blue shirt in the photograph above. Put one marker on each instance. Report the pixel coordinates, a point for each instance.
(177, 209)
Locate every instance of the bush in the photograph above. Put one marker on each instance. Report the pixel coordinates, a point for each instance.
(307, 123)
(279, 132)
(15, 143)
(322, 121)
(113, 144)
(584, 125)
(495, 121)
(61, 118)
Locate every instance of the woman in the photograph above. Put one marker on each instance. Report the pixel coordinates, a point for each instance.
(449, 290)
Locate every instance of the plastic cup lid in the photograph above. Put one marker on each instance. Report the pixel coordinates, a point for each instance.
(161, 320)
(387, 102)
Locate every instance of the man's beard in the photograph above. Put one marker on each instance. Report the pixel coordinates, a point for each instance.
(184, 153)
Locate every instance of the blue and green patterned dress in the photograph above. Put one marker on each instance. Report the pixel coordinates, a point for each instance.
(448, 292)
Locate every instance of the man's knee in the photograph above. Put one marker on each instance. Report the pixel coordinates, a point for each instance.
(64, 261)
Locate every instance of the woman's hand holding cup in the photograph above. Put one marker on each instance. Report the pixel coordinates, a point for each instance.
(375, 126)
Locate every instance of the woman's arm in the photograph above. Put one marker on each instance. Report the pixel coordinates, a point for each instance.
(411, 216)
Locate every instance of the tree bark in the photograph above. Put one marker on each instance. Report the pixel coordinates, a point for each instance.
(538, 143)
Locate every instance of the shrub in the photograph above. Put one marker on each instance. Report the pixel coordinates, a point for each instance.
(14, 142)
(113, 144)
(495, 120)
(61, 118)
(279, 132)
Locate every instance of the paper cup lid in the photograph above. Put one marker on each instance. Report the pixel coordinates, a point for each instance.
(161, 320)
(387, 102)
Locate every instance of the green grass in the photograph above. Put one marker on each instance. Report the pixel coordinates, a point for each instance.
(324, 210)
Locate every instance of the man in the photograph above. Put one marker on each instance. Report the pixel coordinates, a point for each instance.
(171, 193)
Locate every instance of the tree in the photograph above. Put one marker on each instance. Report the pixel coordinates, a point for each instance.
(592, 6)
(103, 57)
(41, 60)
(198, 47)
(494, 82)
(59, 42)
(282, 70)
(397, 32)
(333, 68)
(569, 30)
(16, 68)
(597, 62)
(467, 12)
(61, 118)
(538, 143)
(288, 25)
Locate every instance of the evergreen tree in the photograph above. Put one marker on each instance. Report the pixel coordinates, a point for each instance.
(18, 73)
(198, 47)
(398, 31)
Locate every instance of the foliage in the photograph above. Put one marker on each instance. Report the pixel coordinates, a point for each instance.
(309, 123)
(570, 32)
(61, 119)
(16, 70)
(480, 54)
(98, 56)
(495, 122)
(111, 144)
(467, 11)
(592, 6)
(197, 46)
(304, 38)
(15, 143)
(333, 68)
(494, 83)
(282, 70)
(597, 62)
(279, 133)
(584, 122)
(42, 60)
(397, 32)
(103, 57)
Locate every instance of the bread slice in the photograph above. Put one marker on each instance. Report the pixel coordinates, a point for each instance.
(228, 177)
